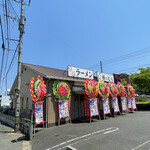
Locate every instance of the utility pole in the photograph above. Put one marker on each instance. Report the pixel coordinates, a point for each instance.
(21, 29)
(101, 66)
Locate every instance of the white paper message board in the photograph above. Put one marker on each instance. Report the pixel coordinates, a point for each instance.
(115, 104)
(106, 108)
(133, 103)
(94, 107)
(38, 112)
(123, 104)
(63, 108)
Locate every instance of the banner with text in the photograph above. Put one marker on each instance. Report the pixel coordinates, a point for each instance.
(105, 77)
(86, 107)
(79, 72)
(129, 103)
(123, 104)
(38, 113)
(94, 107)
(133, 102)
(63, 108)
(106, 108)
(115, 104)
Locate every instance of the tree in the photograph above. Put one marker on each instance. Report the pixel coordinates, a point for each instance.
(122, 75)
(142, 79)
(123, 81)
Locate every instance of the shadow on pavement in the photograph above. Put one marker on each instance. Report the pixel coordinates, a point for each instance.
(23, 138)
(3, 132)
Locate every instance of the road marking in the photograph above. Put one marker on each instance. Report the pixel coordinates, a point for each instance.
(26, 145)
(80, 137)
(111, 131)
(87, 139)
(141, 145)
(70, 148)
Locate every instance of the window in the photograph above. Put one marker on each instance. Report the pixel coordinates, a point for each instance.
(22, 103)
(27, 103)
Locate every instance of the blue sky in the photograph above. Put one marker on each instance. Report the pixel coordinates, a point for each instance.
(83, 32)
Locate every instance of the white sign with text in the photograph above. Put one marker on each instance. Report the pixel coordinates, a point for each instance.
(133, 102)
(123, 103)
(79, 72)
(115, 104)
(105, 77)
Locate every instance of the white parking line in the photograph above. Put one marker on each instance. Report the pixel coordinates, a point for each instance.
(88, 138)
(111, 131)
(141, 145)
(81, 137)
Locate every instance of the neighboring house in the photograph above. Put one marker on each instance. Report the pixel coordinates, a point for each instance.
(4, 100)
(49, 75)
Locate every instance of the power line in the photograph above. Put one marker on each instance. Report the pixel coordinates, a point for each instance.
(7, 26)
(135, 67)
(7, 11)
(13, 8)
(10, 66)
(3, 47)
(122, 57)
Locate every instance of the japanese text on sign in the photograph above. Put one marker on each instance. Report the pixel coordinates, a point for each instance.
(106, 108)
(123, 103)
(38, 107)
(129, 103)
(105, 77)
(115, 104)
(133, 103)
(80, 73)
(63, 109)
(94, 107)
(86, 106)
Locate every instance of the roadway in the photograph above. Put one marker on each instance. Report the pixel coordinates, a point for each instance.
(127, 132)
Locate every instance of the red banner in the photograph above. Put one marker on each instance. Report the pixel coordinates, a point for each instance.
(86, 107)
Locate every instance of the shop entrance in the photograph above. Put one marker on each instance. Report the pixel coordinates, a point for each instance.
(79, 104)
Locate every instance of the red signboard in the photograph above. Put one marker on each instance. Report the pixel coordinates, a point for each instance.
(86, 107)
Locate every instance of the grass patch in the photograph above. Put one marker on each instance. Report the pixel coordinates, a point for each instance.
(142, 103)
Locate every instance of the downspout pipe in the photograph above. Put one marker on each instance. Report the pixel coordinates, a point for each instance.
(47, 95)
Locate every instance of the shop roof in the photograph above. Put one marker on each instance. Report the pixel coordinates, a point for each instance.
(52, 73)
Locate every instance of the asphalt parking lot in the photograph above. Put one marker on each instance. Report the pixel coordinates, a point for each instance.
(124, 132)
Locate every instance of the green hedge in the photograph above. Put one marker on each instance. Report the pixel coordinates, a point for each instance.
(142, 99)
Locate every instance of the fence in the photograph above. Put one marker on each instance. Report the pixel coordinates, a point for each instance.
(7, 119)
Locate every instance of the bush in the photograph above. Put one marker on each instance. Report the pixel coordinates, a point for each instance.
(142, 99)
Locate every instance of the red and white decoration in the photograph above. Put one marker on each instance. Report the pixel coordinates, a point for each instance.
(63, 108)
(129, 103)
(123, 104)
(38, 113)
(106, 108)
(94, 111)
(115, 104)
(133, 103)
